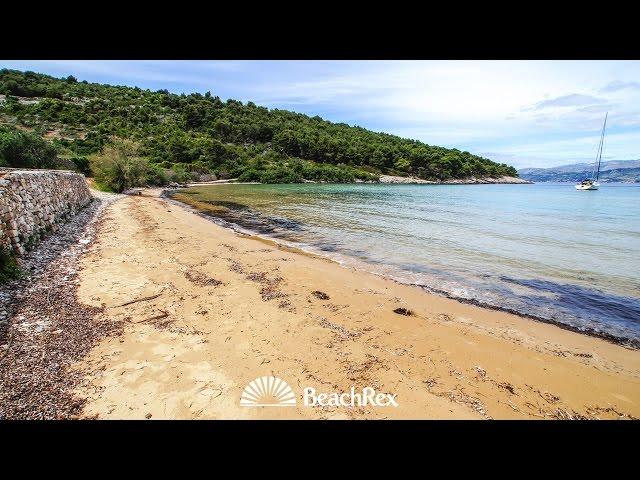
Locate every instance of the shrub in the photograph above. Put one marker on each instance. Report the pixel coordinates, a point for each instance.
(249, 176)
(9, 268)
(180, 174)
(157, 175)
(82, 165)
(280, 174)
(25, 150)
(118, 167)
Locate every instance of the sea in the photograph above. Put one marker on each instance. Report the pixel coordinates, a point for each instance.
(546, 251)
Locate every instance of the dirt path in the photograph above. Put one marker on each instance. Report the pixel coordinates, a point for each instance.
(221, 309)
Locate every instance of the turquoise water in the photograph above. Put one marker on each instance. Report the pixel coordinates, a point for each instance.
(543, 250)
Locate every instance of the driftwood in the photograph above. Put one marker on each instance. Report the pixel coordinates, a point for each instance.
(155, 317)
(143, 299)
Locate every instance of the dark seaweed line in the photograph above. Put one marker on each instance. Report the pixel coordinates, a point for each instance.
(167, 195)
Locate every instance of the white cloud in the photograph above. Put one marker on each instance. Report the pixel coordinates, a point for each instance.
(551, 153)
(571, 100)
(619, 85)
(467, 102)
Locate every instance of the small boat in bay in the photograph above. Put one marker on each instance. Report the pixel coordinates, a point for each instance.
(592, 183)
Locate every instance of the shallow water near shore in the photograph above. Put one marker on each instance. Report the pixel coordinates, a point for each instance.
(542, 250)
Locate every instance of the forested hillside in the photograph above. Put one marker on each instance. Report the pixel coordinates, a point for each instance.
(200, 135)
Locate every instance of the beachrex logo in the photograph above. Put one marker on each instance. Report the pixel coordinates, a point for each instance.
(270, 391)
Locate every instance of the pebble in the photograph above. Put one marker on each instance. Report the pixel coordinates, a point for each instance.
(46, 329)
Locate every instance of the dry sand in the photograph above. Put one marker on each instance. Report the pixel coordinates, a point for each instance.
(230, 308)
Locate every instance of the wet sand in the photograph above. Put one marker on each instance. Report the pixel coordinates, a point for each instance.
(220, 309)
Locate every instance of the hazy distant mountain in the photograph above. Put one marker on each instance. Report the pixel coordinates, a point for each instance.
(627, 171)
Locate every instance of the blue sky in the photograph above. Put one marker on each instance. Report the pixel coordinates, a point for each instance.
(525, 113)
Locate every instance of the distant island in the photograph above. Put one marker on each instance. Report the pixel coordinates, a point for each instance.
(625, 171)
(156, 138)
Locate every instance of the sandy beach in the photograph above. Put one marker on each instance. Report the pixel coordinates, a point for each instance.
(206, 310)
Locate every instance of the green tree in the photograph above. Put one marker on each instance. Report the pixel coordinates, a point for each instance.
(402, 164)
(378, 159)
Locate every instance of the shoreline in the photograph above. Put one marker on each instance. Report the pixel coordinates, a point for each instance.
(224, 223)
(631, 344)
(388, 180)
(456, 181)
(195, 311)
(232, 307)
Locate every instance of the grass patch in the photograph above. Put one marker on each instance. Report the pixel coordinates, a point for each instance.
(102, 187)
(9, 268)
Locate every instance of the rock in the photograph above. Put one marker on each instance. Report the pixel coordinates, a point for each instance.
(34, 201)
(453, 181)
(395, 179)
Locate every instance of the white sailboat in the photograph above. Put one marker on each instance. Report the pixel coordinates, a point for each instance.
(592, 183)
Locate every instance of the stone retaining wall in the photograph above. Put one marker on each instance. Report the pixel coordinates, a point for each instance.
(34, 202)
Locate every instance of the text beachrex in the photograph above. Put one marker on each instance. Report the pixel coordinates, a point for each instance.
(270, 391)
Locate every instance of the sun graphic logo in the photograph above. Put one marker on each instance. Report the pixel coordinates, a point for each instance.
(268, 391)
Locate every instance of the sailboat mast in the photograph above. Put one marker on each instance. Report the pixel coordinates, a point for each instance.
(601, 147)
